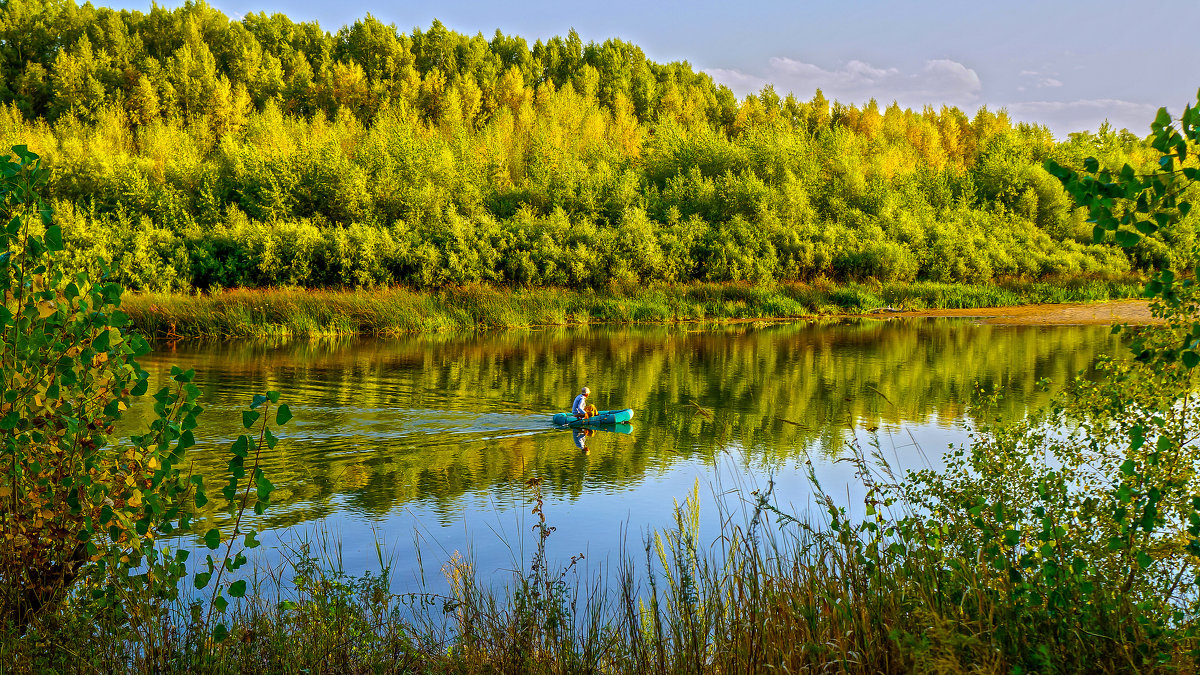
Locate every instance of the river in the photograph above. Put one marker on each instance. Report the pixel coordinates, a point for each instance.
(412, 450)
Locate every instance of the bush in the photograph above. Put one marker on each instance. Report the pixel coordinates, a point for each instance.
(74, 501)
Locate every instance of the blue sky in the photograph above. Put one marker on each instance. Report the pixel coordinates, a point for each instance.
(1069, 65)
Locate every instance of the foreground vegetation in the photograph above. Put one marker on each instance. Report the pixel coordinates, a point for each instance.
(394, 311)
(194, 152)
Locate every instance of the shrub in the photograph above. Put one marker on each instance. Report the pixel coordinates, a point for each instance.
(74, 501)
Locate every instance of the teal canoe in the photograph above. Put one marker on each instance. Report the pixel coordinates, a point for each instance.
(602, 417)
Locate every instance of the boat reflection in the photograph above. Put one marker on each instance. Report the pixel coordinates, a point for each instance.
(581, 434)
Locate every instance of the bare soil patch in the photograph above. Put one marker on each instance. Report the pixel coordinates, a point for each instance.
(1066, 314)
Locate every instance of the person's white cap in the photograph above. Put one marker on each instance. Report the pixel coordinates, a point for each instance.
(586, 391)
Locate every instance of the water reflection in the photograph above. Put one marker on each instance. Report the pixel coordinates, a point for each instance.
(440, 425)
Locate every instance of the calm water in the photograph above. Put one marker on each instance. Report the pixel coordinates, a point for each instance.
(423, 446)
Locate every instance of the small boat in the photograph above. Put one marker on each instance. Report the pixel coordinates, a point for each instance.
(602, 417)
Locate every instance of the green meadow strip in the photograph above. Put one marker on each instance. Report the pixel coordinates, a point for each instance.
(394, 311)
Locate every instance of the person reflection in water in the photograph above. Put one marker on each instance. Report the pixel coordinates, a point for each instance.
(581, 436)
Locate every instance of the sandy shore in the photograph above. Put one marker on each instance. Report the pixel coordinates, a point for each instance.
(1120, 311)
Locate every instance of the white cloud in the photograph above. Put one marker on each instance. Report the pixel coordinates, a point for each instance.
(741, 83)
(1041, 80)
(938, 81)
(1063, 117)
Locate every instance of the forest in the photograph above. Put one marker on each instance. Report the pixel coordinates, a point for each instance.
(191, 152)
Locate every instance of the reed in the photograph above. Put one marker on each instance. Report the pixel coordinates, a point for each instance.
(394, 311)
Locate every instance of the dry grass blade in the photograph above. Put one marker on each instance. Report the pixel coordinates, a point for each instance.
(707, 415)
(881, 395)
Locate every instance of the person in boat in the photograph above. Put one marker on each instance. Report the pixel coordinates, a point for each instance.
(580, 407)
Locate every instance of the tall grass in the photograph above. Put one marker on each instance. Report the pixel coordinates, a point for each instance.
(392, 311)
(770, 592)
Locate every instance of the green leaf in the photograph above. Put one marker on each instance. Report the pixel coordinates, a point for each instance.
(186, 440)
(1098, 234)
(1127, 239)
(1146, 227)
(54, 240)
(265, 487)
(241, 447)
(212, 538)
(1161, 120)
(1190, 358)
(273, 396)
(258, 400)
(237, 589)
(283, 414)
(1124, 493)
(201, 579)
(252, 540)
(220, 632)
(140, 346)
(249, 417)
(237, 468)
(1137, 436)
(101, 343)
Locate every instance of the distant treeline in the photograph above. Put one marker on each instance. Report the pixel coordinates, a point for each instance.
(191, 151)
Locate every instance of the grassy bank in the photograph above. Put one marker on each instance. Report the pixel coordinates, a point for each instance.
(391, 311)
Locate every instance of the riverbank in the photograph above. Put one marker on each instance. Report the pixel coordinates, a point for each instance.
(1063, 314)
(395, 311)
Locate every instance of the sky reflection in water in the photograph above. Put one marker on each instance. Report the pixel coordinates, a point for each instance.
(433, 438)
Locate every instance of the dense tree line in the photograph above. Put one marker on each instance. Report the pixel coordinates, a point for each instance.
(192, 151)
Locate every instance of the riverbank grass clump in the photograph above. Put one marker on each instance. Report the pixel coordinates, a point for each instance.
(395, 311)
